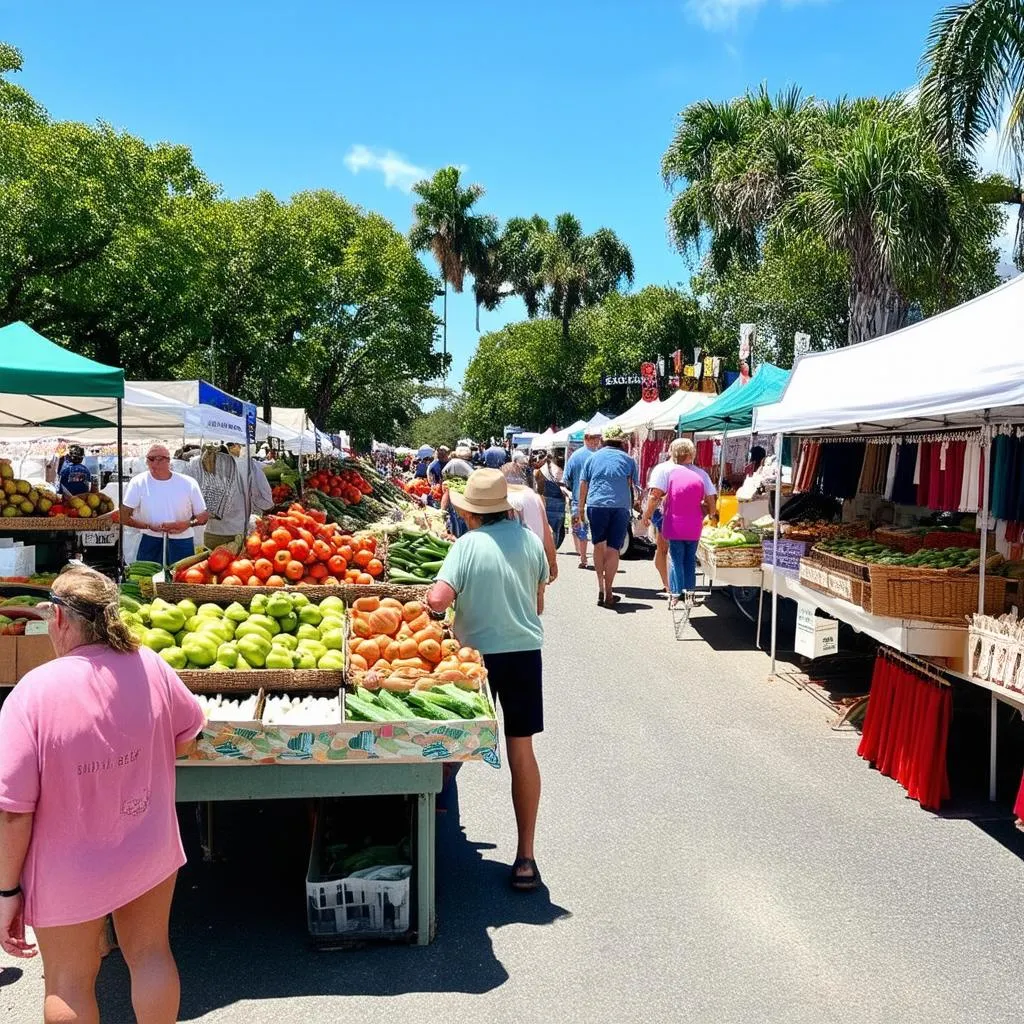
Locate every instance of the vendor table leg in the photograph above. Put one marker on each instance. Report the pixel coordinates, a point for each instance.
(760, 606)
(426, 812)
(993, 747)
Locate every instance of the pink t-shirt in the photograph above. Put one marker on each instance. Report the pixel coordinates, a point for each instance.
(683, 509)
(87, 744)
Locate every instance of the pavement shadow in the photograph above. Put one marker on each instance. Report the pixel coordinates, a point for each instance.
(238, 926)
(9, 975)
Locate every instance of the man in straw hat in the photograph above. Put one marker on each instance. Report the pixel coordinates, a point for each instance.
(606, 497)
(495, 575)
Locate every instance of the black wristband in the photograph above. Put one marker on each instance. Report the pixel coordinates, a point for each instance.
(6, 893)
(437, 616)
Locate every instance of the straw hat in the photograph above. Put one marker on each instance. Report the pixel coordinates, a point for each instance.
(486, 492)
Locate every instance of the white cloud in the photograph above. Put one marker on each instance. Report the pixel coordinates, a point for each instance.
(397, 171)
(721, 15)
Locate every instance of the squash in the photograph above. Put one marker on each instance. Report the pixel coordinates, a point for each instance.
(473, 671)
(431, 632)
(357, 662)
(381, 666)
(416, 663)
(393, 650)
(450, 648)
(366, 604)
(361, 627)
(392, 602)
(385, 620)
(448, 664)
(420, 622)
(452, 676)
(413, 610)
(468, 654)
(368, 650)
(430, 650)
(395, 684)
(408, 648)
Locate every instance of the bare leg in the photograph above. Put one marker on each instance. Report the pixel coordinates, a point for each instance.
(142, 930)
(611, 567)
(525, 791)
(71, 962)
(661, 560)
(600, 559)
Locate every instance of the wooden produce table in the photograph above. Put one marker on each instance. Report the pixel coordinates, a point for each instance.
(204, 783)
(909, 636)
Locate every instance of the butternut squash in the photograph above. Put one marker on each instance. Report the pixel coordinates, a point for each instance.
(416, 663)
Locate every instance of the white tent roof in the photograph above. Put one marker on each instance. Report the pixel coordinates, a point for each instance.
(946, 371)
(636, 415)
(682, 403)
(542, 441)
(561, 437)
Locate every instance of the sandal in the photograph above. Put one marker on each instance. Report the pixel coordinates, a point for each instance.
(611, 602)
(524, 883)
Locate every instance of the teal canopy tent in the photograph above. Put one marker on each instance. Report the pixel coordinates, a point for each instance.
(734, 407)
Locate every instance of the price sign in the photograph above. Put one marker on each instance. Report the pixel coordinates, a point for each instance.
(99, 539)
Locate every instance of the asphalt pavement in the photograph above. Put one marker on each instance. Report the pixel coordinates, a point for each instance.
(712, 852)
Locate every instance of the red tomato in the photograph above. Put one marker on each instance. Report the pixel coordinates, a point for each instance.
(375, 567)
(231, 581)
(281, 537)
(281, 559)
(362, 558)
(253, 545)
(196, 575)
(263, 568)
(242, 568)
(268, 548)
(294, 570)
(318, 571)
(364, 579)
(298, 549)
(322, 550)
(275, 581)
(220, 559)
(337, 565)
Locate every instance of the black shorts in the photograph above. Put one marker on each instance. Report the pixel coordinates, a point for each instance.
(515, 679)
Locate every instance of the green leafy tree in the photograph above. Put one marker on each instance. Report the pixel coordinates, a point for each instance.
(862, 175)
(443, 425)
(16, 104)
(445, 224)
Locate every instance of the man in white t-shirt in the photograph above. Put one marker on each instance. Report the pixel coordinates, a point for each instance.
(164, 506)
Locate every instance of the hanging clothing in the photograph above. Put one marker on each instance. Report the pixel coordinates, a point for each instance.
(970, 486)
(651, 453)
(890, 472)
(904, 489)
(839, 468)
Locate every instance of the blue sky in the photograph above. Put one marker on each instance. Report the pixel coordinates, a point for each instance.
(552, 106)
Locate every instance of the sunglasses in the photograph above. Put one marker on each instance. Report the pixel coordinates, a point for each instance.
(157, 458)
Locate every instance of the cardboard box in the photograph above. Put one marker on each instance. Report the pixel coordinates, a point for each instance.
(33, 651)
(815, 637)
(8, 660)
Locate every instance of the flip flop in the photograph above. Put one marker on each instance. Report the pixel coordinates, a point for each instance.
(525, 883)
(610, 602)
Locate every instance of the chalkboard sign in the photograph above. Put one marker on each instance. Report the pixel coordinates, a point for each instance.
(788, 556)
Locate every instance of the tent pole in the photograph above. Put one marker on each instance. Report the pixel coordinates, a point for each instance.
(120, 490)
(721, 462)
(986, 441)
(775, 571)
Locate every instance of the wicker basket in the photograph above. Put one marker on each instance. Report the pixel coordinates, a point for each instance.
(957, 539)
(220, 594)
(279, 680)
(57, 523)
(931, 595)
(746, 556)
(837, 564)
(836, 584)
(906, 541)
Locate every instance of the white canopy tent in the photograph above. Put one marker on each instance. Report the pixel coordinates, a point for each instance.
(636, 416)
(561, 437)
(954, 369)
(542, 442)
(681, 403)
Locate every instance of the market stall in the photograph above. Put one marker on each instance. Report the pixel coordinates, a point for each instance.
(919, 445)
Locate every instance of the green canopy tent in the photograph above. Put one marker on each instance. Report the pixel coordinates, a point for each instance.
(37, 373)
(734, 407)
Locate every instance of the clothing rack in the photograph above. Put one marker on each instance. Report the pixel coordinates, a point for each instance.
(918, 438)
(921, 667)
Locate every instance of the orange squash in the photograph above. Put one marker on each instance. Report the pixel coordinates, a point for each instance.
(420, 622)
(430, 650)
(385, 620)
(413, 609)
(468, 654)
(366, 604)
(393, 650)
(395, 684)
(392, 602)
(381, 666)
(368, 650)
(416, 663)
(431, 632)
(408, 648)
(450, 648)
(357, 662)
(361, 627)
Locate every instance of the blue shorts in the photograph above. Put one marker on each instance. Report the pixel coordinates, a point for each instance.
(657, 518)
(608, 525)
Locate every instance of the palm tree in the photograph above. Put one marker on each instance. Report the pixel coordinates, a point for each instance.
(445, 224)
(578, 270)
(512, 266)
(862, 175)
(974, 83)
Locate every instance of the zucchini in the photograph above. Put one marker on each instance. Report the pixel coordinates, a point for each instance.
(386, 699)
(435, 712)
(366, 711)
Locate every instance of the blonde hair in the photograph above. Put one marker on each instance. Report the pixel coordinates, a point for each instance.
(681, 448)
(92, 599)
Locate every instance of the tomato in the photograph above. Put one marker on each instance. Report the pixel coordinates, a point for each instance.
(269, 548)
(346, 551)
(305, 535)
(241, 567)
(231, 581)
(309, 581)
(254, 581)
(370, 544)
(310, 558)
(294, 570)
(375, 567)
(330, 581)
(318, 515)
(281, 559)
(275, 581)
(362, 558)
(196, 575)
(337, 565)
(318, 571)
(253, 545)
(263, 568)
(322, 550)
(298, 549)
(364, 579)
(220, 559)
(281, 537)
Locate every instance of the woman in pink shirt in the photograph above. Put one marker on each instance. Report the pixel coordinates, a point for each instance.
(689, 496)
(87, 817)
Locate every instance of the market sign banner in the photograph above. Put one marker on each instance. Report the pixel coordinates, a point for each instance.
(622, 378)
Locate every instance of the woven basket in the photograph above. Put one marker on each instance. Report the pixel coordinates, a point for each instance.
(957, 539)
(747, 556)
(843, 566)
(900, 540)
(219, 594)
(279, 680)
(57, 523)
(836, 584)
(931, 595)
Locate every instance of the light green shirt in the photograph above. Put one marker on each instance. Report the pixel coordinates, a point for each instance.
(495, 572)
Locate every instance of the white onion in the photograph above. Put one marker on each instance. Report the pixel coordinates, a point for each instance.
(302, 711)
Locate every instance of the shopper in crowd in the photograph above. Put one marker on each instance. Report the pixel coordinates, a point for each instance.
(606, 500)
(757, 457)
(657, 486)
(252, 478)
(521, 459)
(549, 481)
(496, 575)
(529, 507)
(87, 817)
(165, 506)
(459, 465)
(495, 457)
(573, 478)
(216, 472)
(74, 478)
(436, 469)
(422, 465)
(689, 496)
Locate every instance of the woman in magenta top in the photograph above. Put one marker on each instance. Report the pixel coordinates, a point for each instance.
(690, 495)
(87, 817)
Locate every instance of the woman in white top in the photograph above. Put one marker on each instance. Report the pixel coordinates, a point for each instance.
(530, 510)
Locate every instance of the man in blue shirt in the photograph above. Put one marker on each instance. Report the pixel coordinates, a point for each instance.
(495, 457)
(434, 470)
(606, 497)
(572, 477)
(421, 468)
(74, 478)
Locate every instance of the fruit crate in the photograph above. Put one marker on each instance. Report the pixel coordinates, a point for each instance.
(930, 595)
(734, 556)
(907, 541)
(96, 523)
(957, 539)
(838, 564)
